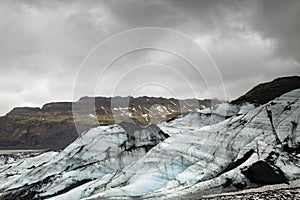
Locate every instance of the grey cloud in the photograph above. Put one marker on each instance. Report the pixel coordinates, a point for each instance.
(146, 13)
(278, 20)
(42, 44)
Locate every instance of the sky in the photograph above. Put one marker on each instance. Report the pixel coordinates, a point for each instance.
(55, 50)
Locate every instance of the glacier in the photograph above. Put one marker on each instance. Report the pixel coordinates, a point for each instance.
(188, 155)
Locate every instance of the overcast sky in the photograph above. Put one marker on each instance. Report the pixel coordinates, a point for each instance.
(43, 44)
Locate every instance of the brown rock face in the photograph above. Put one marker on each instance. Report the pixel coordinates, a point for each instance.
(53, 126)
(35, 128)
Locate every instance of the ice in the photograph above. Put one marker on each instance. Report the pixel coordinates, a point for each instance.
(204, 150)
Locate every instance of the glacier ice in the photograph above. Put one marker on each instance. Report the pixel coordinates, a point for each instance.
(204, 151)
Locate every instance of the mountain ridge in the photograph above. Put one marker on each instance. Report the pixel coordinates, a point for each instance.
(53, 126)
(267, 91)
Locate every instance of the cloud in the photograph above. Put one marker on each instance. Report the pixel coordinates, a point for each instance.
(44, 42)
(278, 20)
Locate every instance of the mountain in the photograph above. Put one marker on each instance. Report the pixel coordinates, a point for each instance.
(53, 127)
(235, 146)
(265, 92)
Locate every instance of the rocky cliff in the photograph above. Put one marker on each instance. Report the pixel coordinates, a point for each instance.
(53, 127)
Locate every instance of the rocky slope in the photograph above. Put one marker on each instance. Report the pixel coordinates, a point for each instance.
(265, 92)
(176, 159)
(53, 127)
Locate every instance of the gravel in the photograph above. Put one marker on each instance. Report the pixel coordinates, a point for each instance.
(278, 192)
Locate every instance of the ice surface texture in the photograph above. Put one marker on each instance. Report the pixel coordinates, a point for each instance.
(202, 152)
